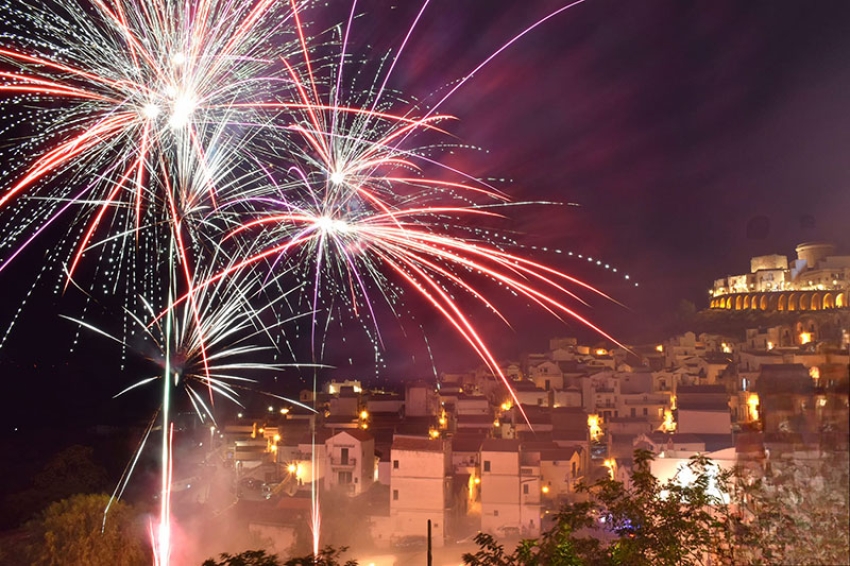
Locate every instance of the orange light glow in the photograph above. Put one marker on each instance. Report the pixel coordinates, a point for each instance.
(669, 425)
(814, 373)
(594, 427)
(753, 404)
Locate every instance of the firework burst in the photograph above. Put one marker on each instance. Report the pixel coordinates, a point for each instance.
(368, 213)
(130, 120)
(221, 138)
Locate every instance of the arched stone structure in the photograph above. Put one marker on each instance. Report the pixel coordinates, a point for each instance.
(772, 301)
(793, 302)
(783, 301)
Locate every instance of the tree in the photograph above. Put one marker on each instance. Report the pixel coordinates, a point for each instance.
(559, 546)
(795, 512)
(247, 558)
(646, 523)
(73, 532)
(328, 556)
(70, 472)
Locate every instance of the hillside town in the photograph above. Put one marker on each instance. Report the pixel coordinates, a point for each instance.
(468, 455)
(475, 451)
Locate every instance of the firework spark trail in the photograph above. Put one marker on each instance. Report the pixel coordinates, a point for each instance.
(214, 353)
(214, 356)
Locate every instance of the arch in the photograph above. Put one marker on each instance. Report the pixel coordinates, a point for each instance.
(782, 303)
(828, 301)
(739, 303)
(773, 301)
(729, 303)
(746, 305)
(793, 302)
(841, 301)
(763, 303)
(816, 303)
(805, 301)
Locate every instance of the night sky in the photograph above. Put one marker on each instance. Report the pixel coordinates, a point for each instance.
(693, 135)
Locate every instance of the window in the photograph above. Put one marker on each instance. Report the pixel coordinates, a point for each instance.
(486, 465)
(525, 489)
(395, 464)
(496, 513)
(395, 495)
(645, 412)
(345, 477)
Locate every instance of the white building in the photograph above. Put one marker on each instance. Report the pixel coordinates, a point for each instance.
(510, 490)
(350, 461)
(420, 487)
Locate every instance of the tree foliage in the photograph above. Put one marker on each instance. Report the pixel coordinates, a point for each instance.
(328, 556)
(70, 472)
(247, 558)
(797, 512)
(798, 515)
(72, 532)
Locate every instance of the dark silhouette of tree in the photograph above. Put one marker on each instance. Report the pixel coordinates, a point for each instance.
(328, 556)
(70, 472)
(247, 558)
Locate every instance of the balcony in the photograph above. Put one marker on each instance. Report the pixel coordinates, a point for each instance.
(343, 463)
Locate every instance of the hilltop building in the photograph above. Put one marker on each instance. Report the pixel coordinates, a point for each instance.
(817, 280)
